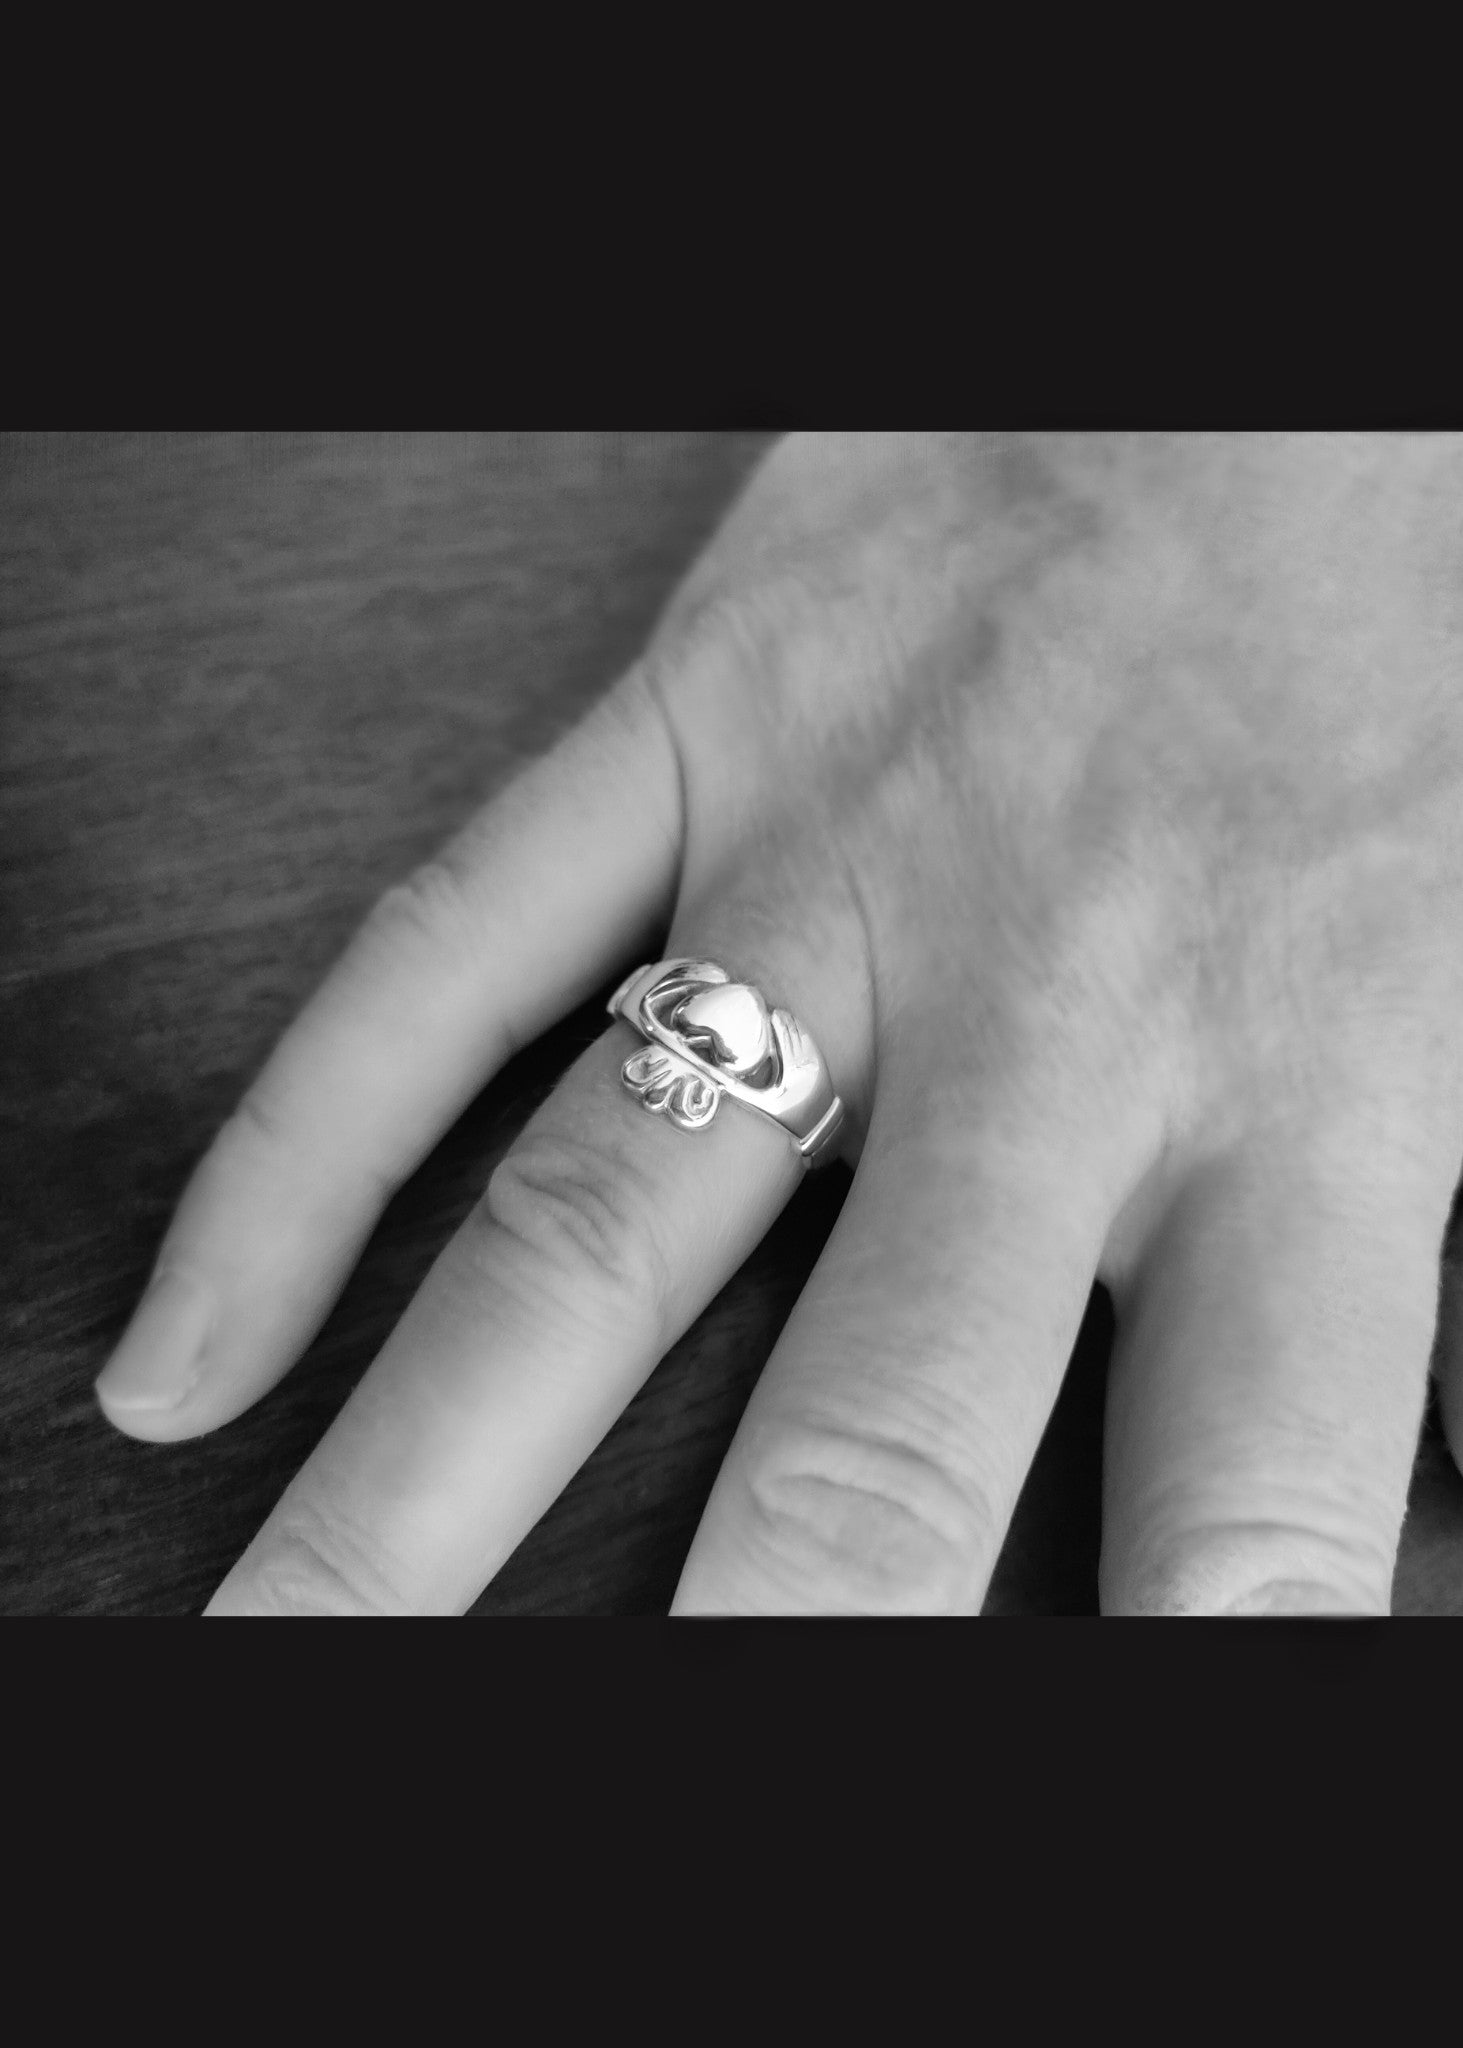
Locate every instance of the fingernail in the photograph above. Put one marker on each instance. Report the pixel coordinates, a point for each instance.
(156, 1364)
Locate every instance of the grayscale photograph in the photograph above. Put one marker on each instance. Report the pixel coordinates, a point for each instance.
(731, 1023)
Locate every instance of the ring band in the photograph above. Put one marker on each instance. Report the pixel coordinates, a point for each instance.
(709, 1036)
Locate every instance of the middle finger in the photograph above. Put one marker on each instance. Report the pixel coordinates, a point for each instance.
(601, 1235)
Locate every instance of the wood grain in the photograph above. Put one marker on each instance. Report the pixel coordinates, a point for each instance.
(245, 682)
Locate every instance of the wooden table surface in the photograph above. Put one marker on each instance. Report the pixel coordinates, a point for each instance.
(245, 682)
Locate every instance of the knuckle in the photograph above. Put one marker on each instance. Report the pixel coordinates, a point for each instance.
(769, 629)
(580, 1213)
(265, 1138)
(259, 1125)
(1281, 1596)
(314, 1562)
(1251, 1568)
(433, 907)
(270, 1134)
(708, 625)
(627, 717)
(861, 1524)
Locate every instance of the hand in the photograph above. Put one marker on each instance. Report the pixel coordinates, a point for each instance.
(1097, 804)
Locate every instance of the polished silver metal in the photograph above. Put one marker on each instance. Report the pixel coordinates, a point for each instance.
(709, 1036)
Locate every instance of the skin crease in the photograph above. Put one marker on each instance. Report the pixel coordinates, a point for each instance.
(1098, 802)
(1143, 753)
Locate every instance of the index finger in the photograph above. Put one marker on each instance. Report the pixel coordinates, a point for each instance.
(535, 904)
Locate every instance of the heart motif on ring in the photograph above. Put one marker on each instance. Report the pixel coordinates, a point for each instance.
(727, 1024)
